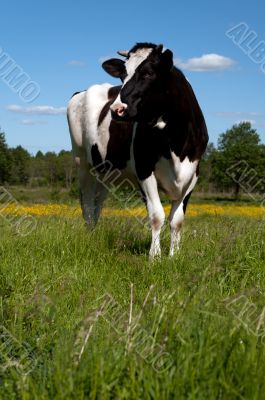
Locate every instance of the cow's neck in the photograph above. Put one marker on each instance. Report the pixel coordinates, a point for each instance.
(176, 115)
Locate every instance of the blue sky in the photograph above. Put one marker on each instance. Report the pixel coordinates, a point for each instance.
(60, 45)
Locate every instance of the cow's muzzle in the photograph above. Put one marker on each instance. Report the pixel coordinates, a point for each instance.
(119, 109)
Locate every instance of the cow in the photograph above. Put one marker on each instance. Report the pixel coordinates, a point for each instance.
(150, 128)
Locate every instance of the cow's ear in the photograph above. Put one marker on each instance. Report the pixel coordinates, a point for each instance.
(167, 60)
(115, 67)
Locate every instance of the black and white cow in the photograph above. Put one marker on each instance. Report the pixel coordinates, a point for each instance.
(151, 128)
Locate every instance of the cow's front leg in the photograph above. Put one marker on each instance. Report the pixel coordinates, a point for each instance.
(176, 218)
(155, 212)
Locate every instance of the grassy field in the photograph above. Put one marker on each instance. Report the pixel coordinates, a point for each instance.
(84, 315)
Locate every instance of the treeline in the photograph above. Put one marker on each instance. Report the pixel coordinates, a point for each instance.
(237, 163)
(19, 167)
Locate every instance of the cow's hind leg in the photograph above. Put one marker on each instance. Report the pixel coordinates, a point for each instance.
(176, 218)
(155, 211)
(101, 194)
(88, 186)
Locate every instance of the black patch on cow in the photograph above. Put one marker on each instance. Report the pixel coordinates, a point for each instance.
(112, 94)
(96, 156)
(150, 144)
(185, 201)
(119, 144)
(198, 169)
(77, 93)
(120, 139)
(188, 132)
(104, 111)
(115, 67)
(172, 98)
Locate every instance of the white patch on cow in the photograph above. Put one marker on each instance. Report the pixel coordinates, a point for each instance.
(187, 169)
(83, 115)
(134, 61)
(176, 218)
(160, 123)
(96, 98)
(117, 100)
(175, 177)
(75, 116)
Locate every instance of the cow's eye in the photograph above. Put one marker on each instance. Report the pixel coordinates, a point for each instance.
(147, 75)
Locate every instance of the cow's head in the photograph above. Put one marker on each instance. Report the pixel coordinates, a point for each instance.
(144, 74)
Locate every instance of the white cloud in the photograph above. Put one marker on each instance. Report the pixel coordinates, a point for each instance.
(207, 62)
(76, 63)
(237, 114)
(32, 122)
(37, 110)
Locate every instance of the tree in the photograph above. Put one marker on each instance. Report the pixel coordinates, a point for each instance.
(239, 149)
(51, 170)
(39, 154)
(205, 168)
(4, 159)
(37, 170)
(66, 168)
(19, 165)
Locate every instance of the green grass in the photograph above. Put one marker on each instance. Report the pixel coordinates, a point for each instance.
(51, 285)
(121, 197)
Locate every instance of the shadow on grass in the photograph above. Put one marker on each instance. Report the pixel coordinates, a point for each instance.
(125, 235)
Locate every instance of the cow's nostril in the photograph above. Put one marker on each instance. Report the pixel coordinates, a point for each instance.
(120, 111)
